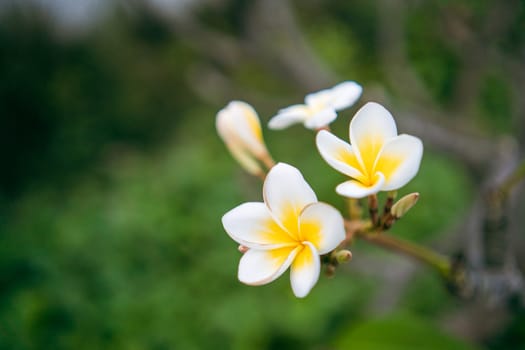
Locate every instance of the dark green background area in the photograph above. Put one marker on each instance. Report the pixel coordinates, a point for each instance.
(113, 184)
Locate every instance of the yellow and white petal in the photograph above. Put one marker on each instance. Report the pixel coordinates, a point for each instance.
(345, 95)
(259, 267)
(399, 161)
(321, 118)
(286, 193)
(244, 122)
(323, 226)
(370, 128)
(289, 116)
(305, 270)
(338, 154)
(245, 159)
(251, 225)
(356, 189)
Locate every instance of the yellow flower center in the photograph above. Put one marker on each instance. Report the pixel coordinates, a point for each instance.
(369, 150)
(294, 233)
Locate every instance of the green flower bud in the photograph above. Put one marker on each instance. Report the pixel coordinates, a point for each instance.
(343, 256)
(403, 205)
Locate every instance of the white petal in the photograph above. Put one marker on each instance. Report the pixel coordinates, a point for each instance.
(370, 128)
(345, 95)
(305, 270)
(263, 266)
(355, 189)
(323, 226)
(222, 123)
(288, 116)
(286, 193)
(244, 123)
(252, 225)
(321, 119)
(399, 161)
(338, 154)
(319, 100)
(341, 96)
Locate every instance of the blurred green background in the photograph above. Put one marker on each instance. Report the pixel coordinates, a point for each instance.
(114, 181)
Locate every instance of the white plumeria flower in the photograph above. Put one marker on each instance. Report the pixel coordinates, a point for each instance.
(290, 229)
(239, 127)
(320, 108)
(378, 159)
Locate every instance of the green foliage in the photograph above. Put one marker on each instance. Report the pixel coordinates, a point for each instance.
(142, 261)
(426, 296)
(513, 334)
(495, 104)
(89, 96)
(431, 55)
(514, 39)
(114, 183)
(398, 332)
(345, 36)
(445, 190)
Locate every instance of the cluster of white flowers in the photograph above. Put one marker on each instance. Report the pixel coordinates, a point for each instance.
(291, 228)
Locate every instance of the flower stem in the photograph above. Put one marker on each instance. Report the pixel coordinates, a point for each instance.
(440, 262)
(267, 160)
(386, 217)
(354, 209)
(372, 208)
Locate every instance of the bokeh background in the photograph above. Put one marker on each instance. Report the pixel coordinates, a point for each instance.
(113, 180)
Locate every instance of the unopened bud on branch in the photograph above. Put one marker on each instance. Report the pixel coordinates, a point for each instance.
(403, 205)
(239, 127)
(343, 256)
(243, 249)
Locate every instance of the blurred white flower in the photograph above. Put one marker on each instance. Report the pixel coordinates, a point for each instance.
(378, 159)
(290, 229)
(239, 127)
(320, 108)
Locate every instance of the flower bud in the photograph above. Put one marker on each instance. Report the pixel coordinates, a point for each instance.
(403, 205)
(239, 127)
(343, 256)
